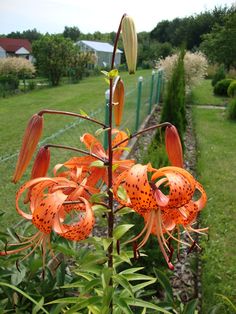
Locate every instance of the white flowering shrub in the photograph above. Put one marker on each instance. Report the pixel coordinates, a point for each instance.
(16, 66)
(195, 66)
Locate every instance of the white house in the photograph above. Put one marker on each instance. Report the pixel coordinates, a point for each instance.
(103, 52)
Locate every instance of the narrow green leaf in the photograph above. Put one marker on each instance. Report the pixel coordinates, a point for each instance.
(131, 270)
(84, 275)
(25, 295)
(68, 300)
(100, 131)
(104, 72)
(83, 113)
(145, 304)
(123, 306)
(83, 303)
(122, 281)
(106, 243)
(190, 307)
(142, 285)
(227, 301)
(36, 307)
(138, 277)
(98, 197)
(121, 230)
(122, 194)
(113, 73)
(97, 163)
(165, 284)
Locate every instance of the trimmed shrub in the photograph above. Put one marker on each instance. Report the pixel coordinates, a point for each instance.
(231, 91)
(221, 87)
(174, 109)
(219, 75)
(231, 114)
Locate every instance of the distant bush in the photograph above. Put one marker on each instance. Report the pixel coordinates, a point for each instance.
(219, 75)
(195, 66)
(231, 91)
(18, 67)
(231, 112)
(221, 87)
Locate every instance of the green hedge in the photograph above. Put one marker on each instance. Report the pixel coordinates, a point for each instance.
(221, 87)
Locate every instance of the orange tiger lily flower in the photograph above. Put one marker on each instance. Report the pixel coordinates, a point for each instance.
(48, 209)
(94, 173)
(165, 203)
(30, 141)
(173, 146)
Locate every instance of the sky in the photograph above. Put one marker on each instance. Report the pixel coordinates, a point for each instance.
(95, 15)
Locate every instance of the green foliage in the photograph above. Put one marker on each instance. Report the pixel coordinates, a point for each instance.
(220, 44)
(231, 110)
(8, 83)
(217, 174)
(203, 95)
(72, 32)
(30, 34)
(173, 109)
(219, 75)
(53, 55)
(231, 91)
(221, 87)
(189, 29)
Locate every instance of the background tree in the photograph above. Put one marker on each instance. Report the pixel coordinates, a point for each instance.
(72, 32)
(220, 44)
(53, 55)
(30, 34)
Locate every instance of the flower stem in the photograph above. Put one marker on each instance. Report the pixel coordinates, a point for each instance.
(73, 114)
(160, 125)
(76, 150)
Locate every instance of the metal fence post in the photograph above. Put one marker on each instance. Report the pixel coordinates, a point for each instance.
(107, 98)
(140, 83)
(151, 92)
(159, 83)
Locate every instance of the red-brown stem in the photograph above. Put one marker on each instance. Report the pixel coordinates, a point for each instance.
(75, 150)
(73, 114)
(116, 42)
(160, 125)
(110, 218)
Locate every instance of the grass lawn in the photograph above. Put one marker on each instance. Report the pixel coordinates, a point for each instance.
(216, 168)
(15, 112)
(203, 95)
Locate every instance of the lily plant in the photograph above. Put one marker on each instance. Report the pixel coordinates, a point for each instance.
(64, 204)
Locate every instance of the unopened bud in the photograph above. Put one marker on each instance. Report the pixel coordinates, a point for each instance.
(130, 42)
(118, 101)
(29, 143)
(173, 146)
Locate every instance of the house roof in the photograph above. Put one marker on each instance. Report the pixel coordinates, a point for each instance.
(13, 44)
(99, 46)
